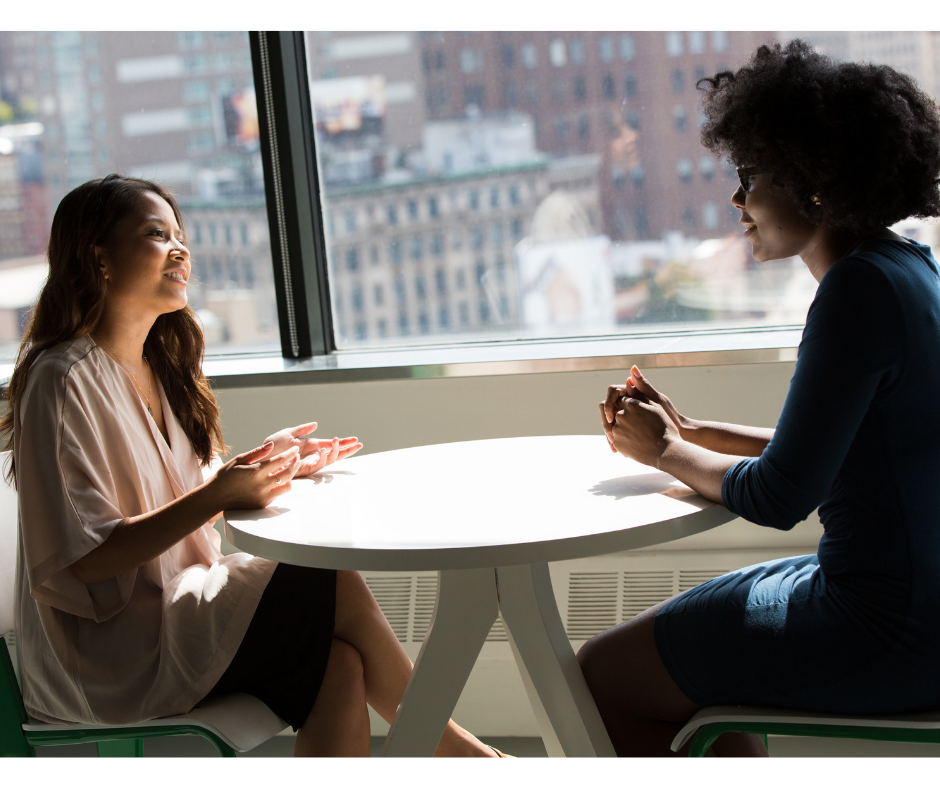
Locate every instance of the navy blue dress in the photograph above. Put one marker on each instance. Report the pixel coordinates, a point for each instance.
(856, 627)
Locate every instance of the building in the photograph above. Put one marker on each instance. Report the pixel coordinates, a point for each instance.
(629, 97)
(435, 255)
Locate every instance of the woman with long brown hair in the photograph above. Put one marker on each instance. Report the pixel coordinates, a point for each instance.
(126, 608)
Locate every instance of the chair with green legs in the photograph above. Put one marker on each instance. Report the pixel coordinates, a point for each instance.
(236, 722)
(709, 723)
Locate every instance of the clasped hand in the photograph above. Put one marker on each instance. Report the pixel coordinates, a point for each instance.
(639, 422)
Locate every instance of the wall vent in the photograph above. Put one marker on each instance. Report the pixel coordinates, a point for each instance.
(642, 590)
(394, 595)
(689, 578)
(592, 603)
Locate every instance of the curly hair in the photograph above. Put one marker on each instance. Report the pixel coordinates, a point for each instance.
(860, 138)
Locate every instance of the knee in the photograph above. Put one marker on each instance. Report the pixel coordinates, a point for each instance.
(345, 665)
(354, 600)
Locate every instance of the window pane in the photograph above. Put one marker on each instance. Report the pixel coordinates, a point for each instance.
(577, 203)
(175, 108)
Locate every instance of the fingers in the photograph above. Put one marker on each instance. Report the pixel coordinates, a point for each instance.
(607, 426)
(641, 384)
(614, 395)
(248, 457)
(303, 429)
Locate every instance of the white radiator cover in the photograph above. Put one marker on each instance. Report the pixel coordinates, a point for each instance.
(593, 594)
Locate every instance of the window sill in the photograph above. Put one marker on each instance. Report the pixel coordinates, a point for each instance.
(674, 349)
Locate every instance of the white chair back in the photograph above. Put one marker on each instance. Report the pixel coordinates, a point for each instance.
(7, 547)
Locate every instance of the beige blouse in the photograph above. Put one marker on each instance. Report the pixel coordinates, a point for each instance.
(150, 642)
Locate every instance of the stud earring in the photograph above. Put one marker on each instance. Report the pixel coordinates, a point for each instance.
(815, 200)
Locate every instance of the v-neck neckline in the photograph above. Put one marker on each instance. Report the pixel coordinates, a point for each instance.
(163, 444)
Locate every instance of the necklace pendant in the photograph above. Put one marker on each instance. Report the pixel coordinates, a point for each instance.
(149, 410)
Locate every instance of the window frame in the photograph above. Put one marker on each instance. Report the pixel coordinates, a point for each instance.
(299, 259)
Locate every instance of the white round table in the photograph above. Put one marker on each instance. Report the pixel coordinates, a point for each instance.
(488, 515)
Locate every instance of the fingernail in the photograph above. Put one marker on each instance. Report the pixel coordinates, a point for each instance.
(267, 443)
(631, 381)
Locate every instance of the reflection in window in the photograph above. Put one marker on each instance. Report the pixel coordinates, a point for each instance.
(608, 87)
(556, 53)
(696, 42)
(685, 170)
(605, 49)
(580, 88)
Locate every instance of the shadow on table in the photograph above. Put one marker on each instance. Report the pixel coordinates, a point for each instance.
(642, 484)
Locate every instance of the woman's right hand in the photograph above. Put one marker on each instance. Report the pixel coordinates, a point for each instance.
(637, 387)
(252, 480)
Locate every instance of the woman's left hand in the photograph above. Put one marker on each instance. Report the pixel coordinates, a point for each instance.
(641, 430)
(315, 454)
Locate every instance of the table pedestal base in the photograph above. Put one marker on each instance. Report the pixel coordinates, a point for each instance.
(465, 611)
(468, 602)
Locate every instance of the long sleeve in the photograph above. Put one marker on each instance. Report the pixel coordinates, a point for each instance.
(852, 354)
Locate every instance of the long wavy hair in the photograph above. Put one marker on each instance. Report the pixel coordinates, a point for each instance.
(72, 301)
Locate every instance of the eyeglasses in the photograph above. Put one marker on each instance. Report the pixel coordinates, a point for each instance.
(745, 174)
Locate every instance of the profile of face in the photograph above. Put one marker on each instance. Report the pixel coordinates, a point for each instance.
(145, 261)
(772, 222)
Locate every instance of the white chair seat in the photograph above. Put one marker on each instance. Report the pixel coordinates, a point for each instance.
(712, 714)
(241, 721)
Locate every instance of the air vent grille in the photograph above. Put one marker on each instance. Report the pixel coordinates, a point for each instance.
(425, 599)
(394, 595)
(689, 578)
(642, 590)
(592, 603)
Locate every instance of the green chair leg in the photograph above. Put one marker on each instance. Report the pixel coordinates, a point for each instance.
(121, 748)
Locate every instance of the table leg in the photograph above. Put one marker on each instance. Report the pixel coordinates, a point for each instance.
(465, 611)
(567, 716)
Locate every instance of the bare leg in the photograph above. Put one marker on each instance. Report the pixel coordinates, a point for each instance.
(386, 667)
(640, 704)
(338, 724)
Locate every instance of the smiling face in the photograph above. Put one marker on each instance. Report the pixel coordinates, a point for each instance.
(145, 261)
(771, 220)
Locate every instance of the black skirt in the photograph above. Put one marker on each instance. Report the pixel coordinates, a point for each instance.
(283, 656)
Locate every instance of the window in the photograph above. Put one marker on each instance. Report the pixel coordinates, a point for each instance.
(580, 88)
(196, 142)
(629, 86)
(673, 44)
(678, 83)
(471, 60)
(706, 167)
(719, 42)
(528, 55)
(680, 117)
(576, 48)
(627, 47)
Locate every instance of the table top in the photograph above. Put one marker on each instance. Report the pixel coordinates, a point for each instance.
(474, 504)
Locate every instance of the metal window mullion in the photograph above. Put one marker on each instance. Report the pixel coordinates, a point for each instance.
(278, 189)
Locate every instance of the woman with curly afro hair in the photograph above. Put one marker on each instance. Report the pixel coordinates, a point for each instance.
(829, 155)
